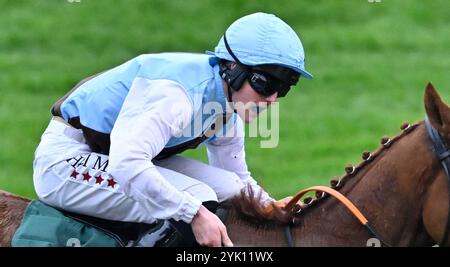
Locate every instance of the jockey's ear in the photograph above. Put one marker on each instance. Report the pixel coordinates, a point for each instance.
(438, 112)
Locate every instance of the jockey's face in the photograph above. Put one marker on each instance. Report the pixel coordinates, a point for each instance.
(246, 101)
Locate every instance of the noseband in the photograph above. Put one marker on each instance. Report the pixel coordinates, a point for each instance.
(443, 154)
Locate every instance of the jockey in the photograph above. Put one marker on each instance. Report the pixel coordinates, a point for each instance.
(110, 150)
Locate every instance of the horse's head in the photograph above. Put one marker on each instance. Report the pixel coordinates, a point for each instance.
(436, 205)
(402, 189)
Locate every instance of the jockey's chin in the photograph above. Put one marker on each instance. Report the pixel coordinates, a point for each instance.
(250, 114)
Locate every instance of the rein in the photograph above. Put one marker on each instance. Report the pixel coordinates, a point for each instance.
(341, 198)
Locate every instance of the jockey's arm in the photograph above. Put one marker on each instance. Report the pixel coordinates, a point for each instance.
(144, 126)
(228, 152)
(142, 129)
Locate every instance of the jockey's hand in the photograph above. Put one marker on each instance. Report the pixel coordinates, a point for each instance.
(283, 202)
(279, 203)
(209, 230)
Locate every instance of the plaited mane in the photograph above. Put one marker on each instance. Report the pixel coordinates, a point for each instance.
(249, 205)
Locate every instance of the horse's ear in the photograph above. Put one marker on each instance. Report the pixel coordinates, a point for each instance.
(438, 112)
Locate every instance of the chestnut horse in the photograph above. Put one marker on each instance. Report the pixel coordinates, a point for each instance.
(401, 188)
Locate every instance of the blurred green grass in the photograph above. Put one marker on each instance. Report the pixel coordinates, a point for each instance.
(371, 63)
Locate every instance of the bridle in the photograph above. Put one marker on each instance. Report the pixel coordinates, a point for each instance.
(441, 151)
(443, 154)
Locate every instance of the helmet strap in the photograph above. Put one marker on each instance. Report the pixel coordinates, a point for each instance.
(236, 76)
(227, 46)
(229, 98)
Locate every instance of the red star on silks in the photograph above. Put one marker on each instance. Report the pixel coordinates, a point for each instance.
(98, 179)
(74, 174)
(86, 176)
(111, 182)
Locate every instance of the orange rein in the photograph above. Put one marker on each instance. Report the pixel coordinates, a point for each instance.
(340, 197)
(347, 203)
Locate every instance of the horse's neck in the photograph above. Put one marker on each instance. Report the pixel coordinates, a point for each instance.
(245, 234)
(389, 191)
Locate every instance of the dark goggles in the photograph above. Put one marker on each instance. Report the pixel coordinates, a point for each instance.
(270, 79)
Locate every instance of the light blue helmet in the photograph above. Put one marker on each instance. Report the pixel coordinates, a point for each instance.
(262, 38)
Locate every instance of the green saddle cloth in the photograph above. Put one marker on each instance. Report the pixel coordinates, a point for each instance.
(44, 226)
